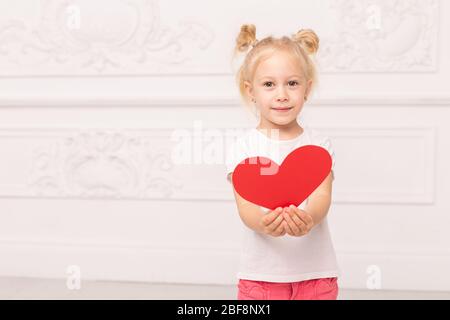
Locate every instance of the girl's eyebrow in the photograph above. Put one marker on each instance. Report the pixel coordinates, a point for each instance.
(291, 76)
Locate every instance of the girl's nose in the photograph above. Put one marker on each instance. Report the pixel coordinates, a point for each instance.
(282, 96)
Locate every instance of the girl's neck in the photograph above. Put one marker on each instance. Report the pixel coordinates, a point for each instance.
(281, 132)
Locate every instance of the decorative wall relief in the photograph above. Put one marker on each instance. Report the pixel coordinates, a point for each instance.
(98, 37)
(382, 36)
(103, 164)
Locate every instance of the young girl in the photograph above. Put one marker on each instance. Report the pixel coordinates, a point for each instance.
(288, 252)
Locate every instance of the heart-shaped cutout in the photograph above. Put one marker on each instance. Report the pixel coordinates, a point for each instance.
(263, 182)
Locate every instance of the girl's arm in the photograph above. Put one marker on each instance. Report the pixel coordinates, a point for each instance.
(250, 213)
(320, 200)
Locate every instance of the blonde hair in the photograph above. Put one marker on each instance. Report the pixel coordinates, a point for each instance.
(302, 45)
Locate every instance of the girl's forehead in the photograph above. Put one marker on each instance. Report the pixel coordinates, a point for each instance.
(277, 64)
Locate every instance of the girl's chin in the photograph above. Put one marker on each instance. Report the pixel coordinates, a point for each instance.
(281, 122)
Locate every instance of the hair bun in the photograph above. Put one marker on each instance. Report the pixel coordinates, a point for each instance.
(246, 37)
(308, 39)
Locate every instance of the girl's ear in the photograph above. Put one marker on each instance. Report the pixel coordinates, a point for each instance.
(248, 88)
(308, 88)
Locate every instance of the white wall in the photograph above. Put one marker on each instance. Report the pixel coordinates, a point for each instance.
(87, 111)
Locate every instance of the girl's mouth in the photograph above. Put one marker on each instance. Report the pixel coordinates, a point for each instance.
(282, 109)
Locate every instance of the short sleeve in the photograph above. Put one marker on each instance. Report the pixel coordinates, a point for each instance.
(235, 154)
(325, 143)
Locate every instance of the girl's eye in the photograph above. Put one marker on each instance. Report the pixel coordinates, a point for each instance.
(290, 82)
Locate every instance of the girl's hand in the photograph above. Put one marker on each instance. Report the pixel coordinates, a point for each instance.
(273, 223)
(299, 222)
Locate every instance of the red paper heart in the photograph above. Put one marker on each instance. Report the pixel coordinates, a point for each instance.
(263, 182)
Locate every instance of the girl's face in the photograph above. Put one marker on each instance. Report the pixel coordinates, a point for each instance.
(278, 83)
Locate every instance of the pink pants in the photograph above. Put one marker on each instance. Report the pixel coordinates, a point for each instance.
(315, 289)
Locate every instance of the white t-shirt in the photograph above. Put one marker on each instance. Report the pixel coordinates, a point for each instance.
(286, 258)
